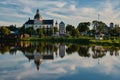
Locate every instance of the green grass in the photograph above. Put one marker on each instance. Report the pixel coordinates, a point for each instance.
(78, 40)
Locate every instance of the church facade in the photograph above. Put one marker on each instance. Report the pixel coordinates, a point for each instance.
(47, 24)
(39, 22)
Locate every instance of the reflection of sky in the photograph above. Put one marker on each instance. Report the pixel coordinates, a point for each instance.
(71, 67)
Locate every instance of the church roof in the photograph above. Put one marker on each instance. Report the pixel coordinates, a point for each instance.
(62, 22)
(48, 22)
(38, 16)
(43, 22)
(30, 22)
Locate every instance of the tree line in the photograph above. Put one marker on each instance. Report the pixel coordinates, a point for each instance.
(83, 28)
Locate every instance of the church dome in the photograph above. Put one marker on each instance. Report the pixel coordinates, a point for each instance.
(38, 16)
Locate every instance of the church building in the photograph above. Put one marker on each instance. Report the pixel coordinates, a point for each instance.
(47, 24)
(39, 22)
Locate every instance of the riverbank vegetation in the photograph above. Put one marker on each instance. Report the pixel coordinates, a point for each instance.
(76, 40)
(82, 34)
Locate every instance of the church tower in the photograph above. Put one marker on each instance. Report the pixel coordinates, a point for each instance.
(38, 16)
(56, 24)
(62, 28)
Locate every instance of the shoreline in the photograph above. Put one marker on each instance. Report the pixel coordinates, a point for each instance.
(83, 41)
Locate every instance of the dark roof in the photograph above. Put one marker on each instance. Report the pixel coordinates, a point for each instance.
(48, 22)
(44, 22)
(62, 22)
(30, 22)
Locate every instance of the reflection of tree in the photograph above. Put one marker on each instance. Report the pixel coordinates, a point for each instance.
(83, 51)
(117, 51)
(98, 55)
(30, 49)
(13, 51)
(50, 47)
(41, 47)
(4, 49)
(98, 52)
(114, 50)
(72, 48)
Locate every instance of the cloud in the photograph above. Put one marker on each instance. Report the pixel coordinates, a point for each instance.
(27, 10)
(57, 15)
(72, 12)
(72, 7)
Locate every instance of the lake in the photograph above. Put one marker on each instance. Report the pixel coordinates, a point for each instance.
(58, 61)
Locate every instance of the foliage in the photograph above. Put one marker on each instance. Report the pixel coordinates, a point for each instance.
(55, 29)
(69, 28)
(50, 32)
(21, 30)
(115, 31)
(40, 32)
(30, 30)
(98, 25)
(4, 30)
(75, 32)
(83, 26)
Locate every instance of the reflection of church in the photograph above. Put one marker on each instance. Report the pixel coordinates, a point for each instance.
(62, 50)
(38, 57)
(46, 55)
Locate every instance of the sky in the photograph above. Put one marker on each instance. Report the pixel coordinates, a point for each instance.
(72, 12)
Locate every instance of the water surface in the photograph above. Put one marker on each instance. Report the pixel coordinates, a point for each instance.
(59, 61)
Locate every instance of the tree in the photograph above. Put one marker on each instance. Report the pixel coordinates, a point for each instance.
(83, 26)
(40, 32)
(30, 30)
(98, 25)
(55, 30)
(21, 30)
(115, 31)
(69, 28)
(50, 31)
(12, 28)
(4, 30)
(75, 32)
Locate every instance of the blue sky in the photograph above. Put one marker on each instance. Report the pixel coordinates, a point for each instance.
(70, 11)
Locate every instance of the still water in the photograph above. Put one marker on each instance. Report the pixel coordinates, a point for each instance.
(58, 61)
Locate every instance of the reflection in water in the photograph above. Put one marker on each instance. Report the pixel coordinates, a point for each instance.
(40, 51)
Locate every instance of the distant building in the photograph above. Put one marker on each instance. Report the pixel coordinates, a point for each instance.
(39, 22)
(111, 25)
(62, 30)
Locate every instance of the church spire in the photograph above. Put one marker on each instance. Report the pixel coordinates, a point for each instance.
(37, 12)
(38, 16)
(56, 23)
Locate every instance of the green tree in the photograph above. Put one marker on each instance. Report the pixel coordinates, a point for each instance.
(4, 30)
(40, 32)
(21, 30)
(50, 31)
(30, 30)
(83, 26)
(55, 30)
(115, 31)
(75, 32)
(69, 28)
(98, 25)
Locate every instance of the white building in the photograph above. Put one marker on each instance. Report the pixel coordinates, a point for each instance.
(62, 30)
(39, 22)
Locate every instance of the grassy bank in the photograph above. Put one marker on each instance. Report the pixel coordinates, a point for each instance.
(81, 40)
(59, 39)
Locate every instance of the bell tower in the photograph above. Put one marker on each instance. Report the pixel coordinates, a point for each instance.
(38, 16)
